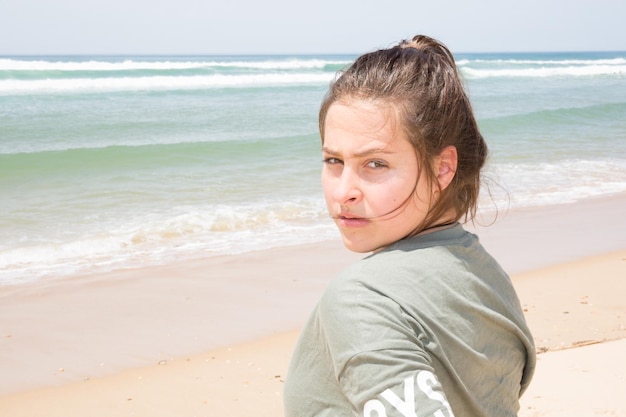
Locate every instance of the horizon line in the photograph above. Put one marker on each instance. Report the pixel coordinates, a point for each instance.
(35, 54)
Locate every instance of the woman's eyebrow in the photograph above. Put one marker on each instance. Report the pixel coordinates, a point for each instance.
(361, 153)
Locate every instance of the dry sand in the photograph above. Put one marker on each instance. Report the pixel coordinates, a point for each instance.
(213, 337)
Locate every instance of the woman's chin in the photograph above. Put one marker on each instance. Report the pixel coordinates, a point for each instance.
(358, 246)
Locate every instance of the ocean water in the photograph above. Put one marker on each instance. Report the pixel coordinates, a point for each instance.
(113, 162)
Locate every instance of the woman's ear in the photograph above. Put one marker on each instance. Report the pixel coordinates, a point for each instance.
(446, 166)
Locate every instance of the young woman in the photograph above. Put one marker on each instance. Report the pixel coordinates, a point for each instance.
(429, 324)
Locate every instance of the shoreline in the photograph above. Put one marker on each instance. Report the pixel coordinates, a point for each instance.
(492, 228)
(78, 333)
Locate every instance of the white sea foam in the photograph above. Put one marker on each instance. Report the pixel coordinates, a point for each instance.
(8, 64)
(544, 72)
(152, 239)
(565, 181)
(561, 62)
(77, 85)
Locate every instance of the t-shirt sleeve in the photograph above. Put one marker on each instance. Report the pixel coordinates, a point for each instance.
(378, 351)
(388, 383)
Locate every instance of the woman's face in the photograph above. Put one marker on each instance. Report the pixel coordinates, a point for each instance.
(370, 176)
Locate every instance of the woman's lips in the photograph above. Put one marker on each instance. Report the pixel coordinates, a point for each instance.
(351, 221)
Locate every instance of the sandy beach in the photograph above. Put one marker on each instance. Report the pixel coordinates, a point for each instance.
(214, 336)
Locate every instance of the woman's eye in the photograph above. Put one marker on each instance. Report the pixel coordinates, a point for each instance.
(376, 164)
(331, 161)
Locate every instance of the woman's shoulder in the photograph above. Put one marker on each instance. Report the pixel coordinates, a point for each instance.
(391, 271)
(418, 255)
(432, 263)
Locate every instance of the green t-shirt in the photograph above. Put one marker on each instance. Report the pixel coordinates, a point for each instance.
(430, 326)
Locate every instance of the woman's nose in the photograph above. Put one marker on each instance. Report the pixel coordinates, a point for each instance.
(348, 189)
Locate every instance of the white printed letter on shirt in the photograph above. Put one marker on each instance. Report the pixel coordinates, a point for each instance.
(426, 382)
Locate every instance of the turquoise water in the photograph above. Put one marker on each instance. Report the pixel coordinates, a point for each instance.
(109, 162)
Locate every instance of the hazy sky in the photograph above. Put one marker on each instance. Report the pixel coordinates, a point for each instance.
(314, 26)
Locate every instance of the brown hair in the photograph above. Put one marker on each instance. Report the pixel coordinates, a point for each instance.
(420, 80)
